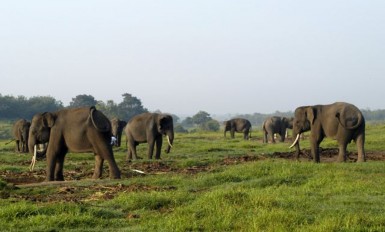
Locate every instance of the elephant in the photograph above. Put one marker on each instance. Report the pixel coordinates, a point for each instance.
(20, 133)
(83, 129)
(274, 125)
(240, 125)
(149, 128)
(117, 130)
(340, 121)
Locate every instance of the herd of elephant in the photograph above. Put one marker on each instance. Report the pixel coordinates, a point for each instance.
(88, 130)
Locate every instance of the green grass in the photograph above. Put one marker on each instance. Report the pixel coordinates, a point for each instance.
(265, 194)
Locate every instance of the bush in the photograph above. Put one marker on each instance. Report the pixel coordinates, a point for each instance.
(180, 129)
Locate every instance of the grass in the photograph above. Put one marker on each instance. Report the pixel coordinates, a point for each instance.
(264, 194)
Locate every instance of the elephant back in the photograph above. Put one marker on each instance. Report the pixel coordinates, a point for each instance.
(99, 120)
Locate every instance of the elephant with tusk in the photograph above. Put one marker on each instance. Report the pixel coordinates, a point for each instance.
(149, 128)
(82, 129)
(341, 121)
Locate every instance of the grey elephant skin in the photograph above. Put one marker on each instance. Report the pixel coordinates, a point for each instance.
(277, 125)
(149, 128)
(117, 130)
(20, 132)
(239, 125)
(76, 130)
(341, 121)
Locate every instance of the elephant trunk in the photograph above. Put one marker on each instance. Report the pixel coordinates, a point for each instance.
(31, 143)
(170, 140)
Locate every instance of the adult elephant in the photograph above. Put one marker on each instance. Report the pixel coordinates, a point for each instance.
(20, 134)
(240, 125)
(149, 128)
(117, 130)
(275, 124)
(76, 130)
(341, 121)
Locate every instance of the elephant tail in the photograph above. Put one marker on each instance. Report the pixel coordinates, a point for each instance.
(347, 120)
(99, 120)
(250, 132)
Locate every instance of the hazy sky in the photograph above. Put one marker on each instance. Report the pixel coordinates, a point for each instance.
(220, 56)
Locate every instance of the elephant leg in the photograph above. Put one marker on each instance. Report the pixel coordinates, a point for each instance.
(360, 142)
(158, 147)
(246, 135)
(265, 137)
(131, 151)
(232, 133)
(272, 137)
(104, 152)
(151, 145)
(51, 164)
(342, 152)
(59, 166)
(314, 144)
(17, 146)
(98, 167)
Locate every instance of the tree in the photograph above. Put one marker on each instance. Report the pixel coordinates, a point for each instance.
(211, 125)
(129, 107)
(201, 118)
(82, 100)
(188, 122)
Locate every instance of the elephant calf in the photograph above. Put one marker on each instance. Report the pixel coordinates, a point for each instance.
(77, 130)
(149, 128)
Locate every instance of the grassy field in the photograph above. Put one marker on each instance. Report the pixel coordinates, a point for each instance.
(207, 183)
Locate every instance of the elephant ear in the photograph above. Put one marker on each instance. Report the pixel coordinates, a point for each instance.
(99, 120)
(122, 124)
(48, 119)
(163, 121)
(349, 117)
(311, 114)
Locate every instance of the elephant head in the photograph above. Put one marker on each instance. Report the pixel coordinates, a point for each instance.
(303, 118)
(166, 127)
(287, 122)
(117, 126)
(40, 129)
(227, 125)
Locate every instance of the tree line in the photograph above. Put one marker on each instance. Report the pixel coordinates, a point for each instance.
(12, 108)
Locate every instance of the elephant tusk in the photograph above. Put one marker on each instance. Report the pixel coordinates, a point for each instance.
(33, 158)
(168, 140)
(295, 141)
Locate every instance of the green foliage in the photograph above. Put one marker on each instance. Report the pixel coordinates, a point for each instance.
(129, 107)
(211, 125)
(12, 108)
(82, 100)
(201, 118)
(179, 129)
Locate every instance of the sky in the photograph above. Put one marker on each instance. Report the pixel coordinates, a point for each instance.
(181, 57)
